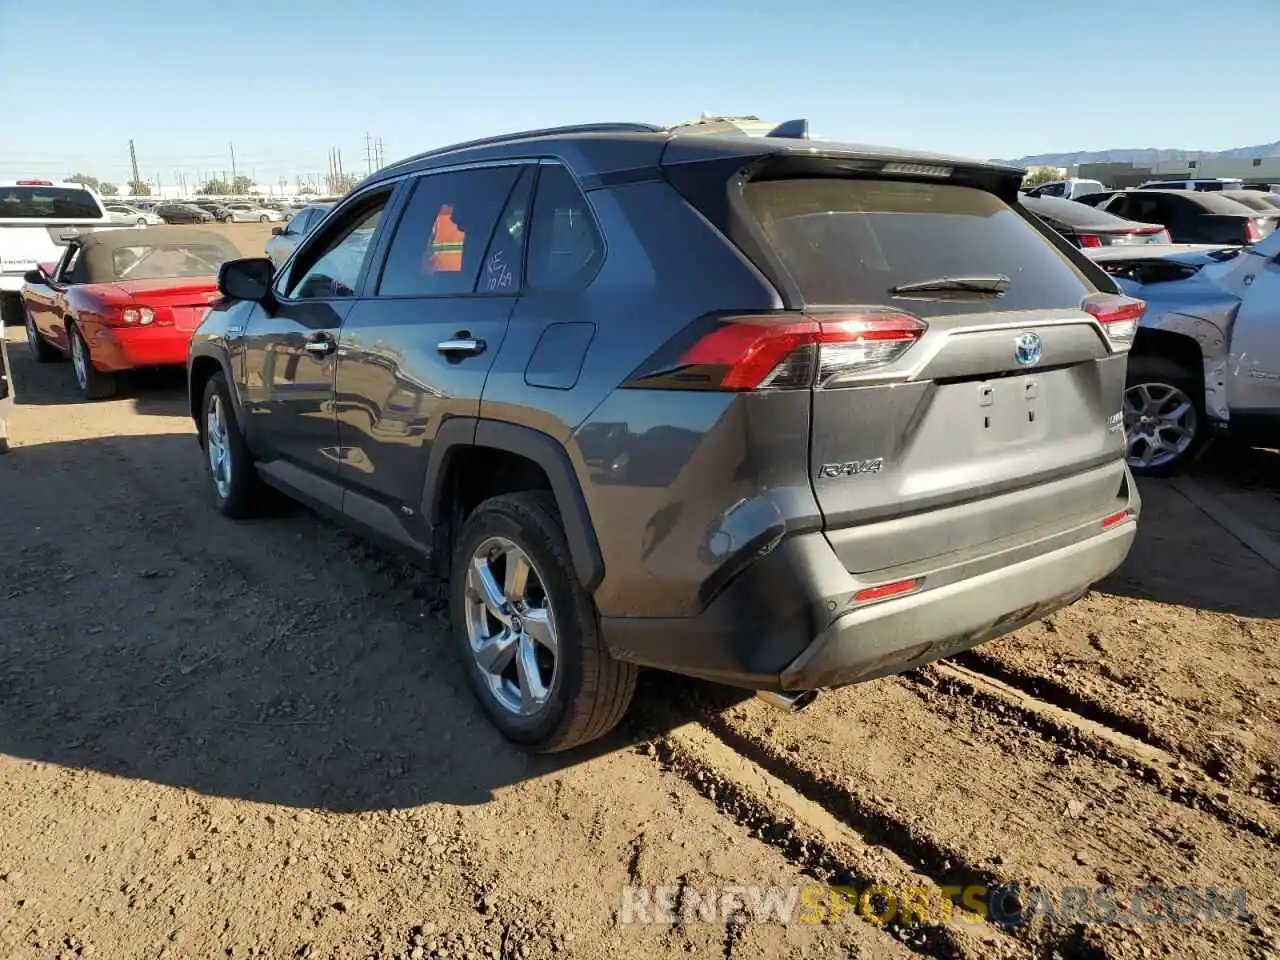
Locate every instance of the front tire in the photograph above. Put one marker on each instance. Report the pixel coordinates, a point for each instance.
(528, 633)
(238, 491)
(1164, 417)
(93, 383)
(263, 218)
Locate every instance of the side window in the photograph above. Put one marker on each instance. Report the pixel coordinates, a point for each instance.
(69, 261)
(1121, 205)
(504, 260)
(298, 224)
(442, 237)
(331, 267)
(565, 248)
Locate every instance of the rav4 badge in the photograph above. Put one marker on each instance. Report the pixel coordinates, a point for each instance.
(851, 468)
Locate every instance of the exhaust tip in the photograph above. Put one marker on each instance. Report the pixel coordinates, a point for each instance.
(789, 702)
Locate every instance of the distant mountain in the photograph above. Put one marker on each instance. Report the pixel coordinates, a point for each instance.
(1146, 157)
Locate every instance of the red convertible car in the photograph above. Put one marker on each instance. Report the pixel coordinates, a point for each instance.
(121, 299)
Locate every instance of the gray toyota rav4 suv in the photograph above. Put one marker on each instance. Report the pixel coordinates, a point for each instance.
(776, 412)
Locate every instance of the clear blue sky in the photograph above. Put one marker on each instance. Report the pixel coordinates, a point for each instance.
(286, 79)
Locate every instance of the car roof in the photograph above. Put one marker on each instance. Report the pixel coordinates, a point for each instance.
(1210, 201)
(1248, 198)
(37, 182)
(96, 248)
(602, 149)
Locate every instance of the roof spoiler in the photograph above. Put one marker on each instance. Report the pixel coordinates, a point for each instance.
(791, 130)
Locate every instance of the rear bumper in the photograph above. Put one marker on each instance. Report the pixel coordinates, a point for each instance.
(787, 622)
(113, 348)
(899, 635)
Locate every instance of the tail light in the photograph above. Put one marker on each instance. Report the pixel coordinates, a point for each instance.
(1151, 235)
(1089, 239)
(1252, 231)
(136, 316)
(786, 351)
(1118, 315)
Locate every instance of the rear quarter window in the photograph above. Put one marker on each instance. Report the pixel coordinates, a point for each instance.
(852, 241)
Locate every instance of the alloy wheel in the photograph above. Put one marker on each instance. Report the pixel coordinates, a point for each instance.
(33, 341)
(510, 626)
(79, 359)
(1160, 424)
(218, 447)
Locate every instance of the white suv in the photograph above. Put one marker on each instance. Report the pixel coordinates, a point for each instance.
(1070, 189)
(36, 219)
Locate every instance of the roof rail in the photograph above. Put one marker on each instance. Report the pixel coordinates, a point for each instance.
(529, 135)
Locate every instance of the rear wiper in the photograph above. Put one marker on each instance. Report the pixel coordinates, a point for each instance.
(996, 285)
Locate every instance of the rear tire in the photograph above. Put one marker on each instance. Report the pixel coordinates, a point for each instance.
(580, 692)
(1164, 417)
(263, 219)
(93, 383)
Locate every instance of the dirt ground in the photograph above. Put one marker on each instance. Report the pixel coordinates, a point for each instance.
(229, 739)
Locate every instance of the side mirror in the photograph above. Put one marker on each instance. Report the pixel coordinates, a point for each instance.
(276, 231)
(34, 276)
(246, 279)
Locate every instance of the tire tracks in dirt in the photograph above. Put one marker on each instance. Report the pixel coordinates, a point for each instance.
(986, 684)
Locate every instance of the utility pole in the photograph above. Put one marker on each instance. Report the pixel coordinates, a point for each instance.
(368, 154)
(233, 163)
(133, 162)
(381, 157)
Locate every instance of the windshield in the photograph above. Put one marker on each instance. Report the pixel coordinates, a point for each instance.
(857, 241)
(154, 262)
(48, 203)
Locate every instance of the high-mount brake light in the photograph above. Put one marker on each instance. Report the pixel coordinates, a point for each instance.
(35, 183)
(1118, 315)
(917, 170)
(797, 351)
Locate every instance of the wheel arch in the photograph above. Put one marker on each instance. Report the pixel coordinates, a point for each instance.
(201, 367)
(1180, 348)
(461, 471)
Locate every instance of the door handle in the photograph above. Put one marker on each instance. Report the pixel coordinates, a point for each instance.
(321, 345)
(461, 346)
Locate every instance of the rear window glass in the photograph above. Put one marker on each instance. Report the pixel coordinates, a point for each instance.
(155, 262)
(38, 203)
(852, 241)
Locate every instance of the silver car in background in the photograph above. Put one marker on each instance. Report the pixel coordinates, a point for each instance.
(285, 239)
(1206, 358)
(124, 213)
(251, 213)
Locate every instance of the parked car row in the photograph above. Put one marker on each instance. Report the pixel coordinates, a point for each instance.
(1188, 216)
